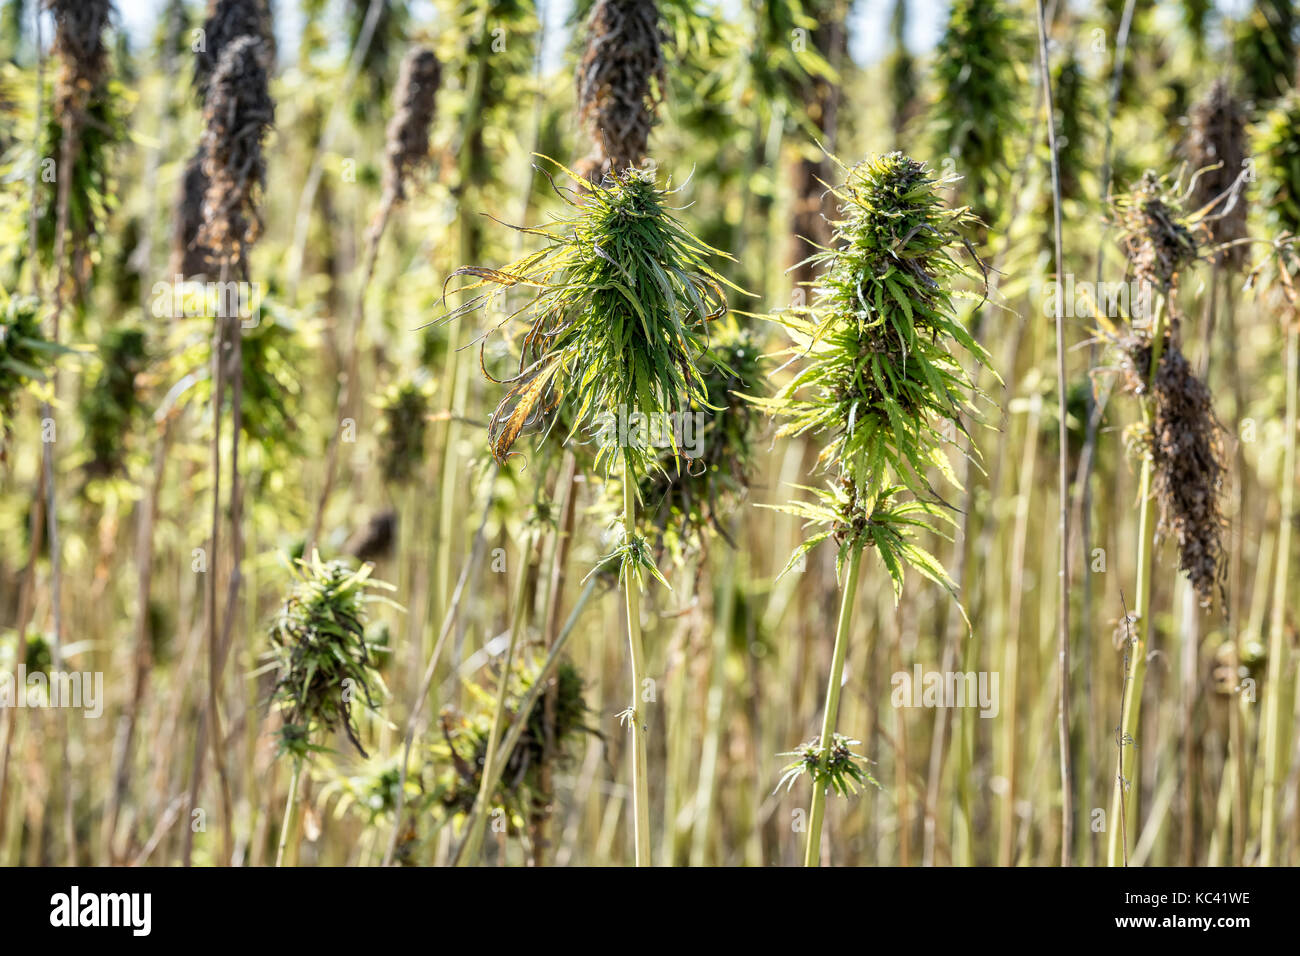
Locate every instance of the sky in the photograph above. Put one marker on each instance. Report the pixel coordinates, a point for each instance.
(869, 23)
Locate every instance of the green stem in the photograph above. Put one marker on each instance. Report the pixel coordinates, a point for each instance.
(635, 717)
(455, 373)
(491, 771)
(289, 813)
(1122, 823)
(1275, 734)
(714, 716)
(525, 710)
(812, 853)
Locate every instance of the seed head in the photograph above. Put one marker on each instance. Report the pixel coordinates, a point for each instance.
(238, 114)
(836, 768)
(189, 257)
(408, 132)
(227, 21)
(1216, 152)
(1157, 239)
(621, 81)
(878, 378)
(620, 302)
(79, 46)
(1185, 443)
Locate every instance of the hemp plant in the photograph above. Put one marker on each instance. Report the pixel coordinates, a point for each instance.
(1179, 440)
(879, 380)
(976, 112)
(461, 755)
(617, 320)
(325, 663)
(26, 359)
(1277, 144)
(684, 506)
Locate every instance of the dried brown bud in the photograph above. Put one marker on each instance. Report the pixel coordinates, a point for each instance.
(238, 114)
(408, 132)
(79, 46)
(1185, 442)
(1156, 240)
(621, 81)
(227, 21)
(1217, 138)
(189, 257)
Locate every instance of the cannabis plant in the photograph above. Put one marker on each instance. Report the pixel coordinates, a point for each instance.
(1216, 152)
(324, 662)
(878, 380)
(976, 112)
(405, 410)
(619, 301)
(462, 753)
(1177, 440)
(617, 321)
(112, 405)
(26, 358)
(319, 644)
(683, 506)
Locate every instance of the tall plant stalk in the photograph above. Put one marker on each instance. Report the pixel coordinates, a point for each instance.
(503, 753)
(617, 323)
(288, 826)
(1122, 817)
(478, 818)
(877, 374)
(635, 716)
(1275, 733)
(1063, 474)
(816, 813)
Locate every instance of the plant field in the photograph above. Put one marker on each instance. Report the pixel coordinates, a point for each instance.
(649, 432)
